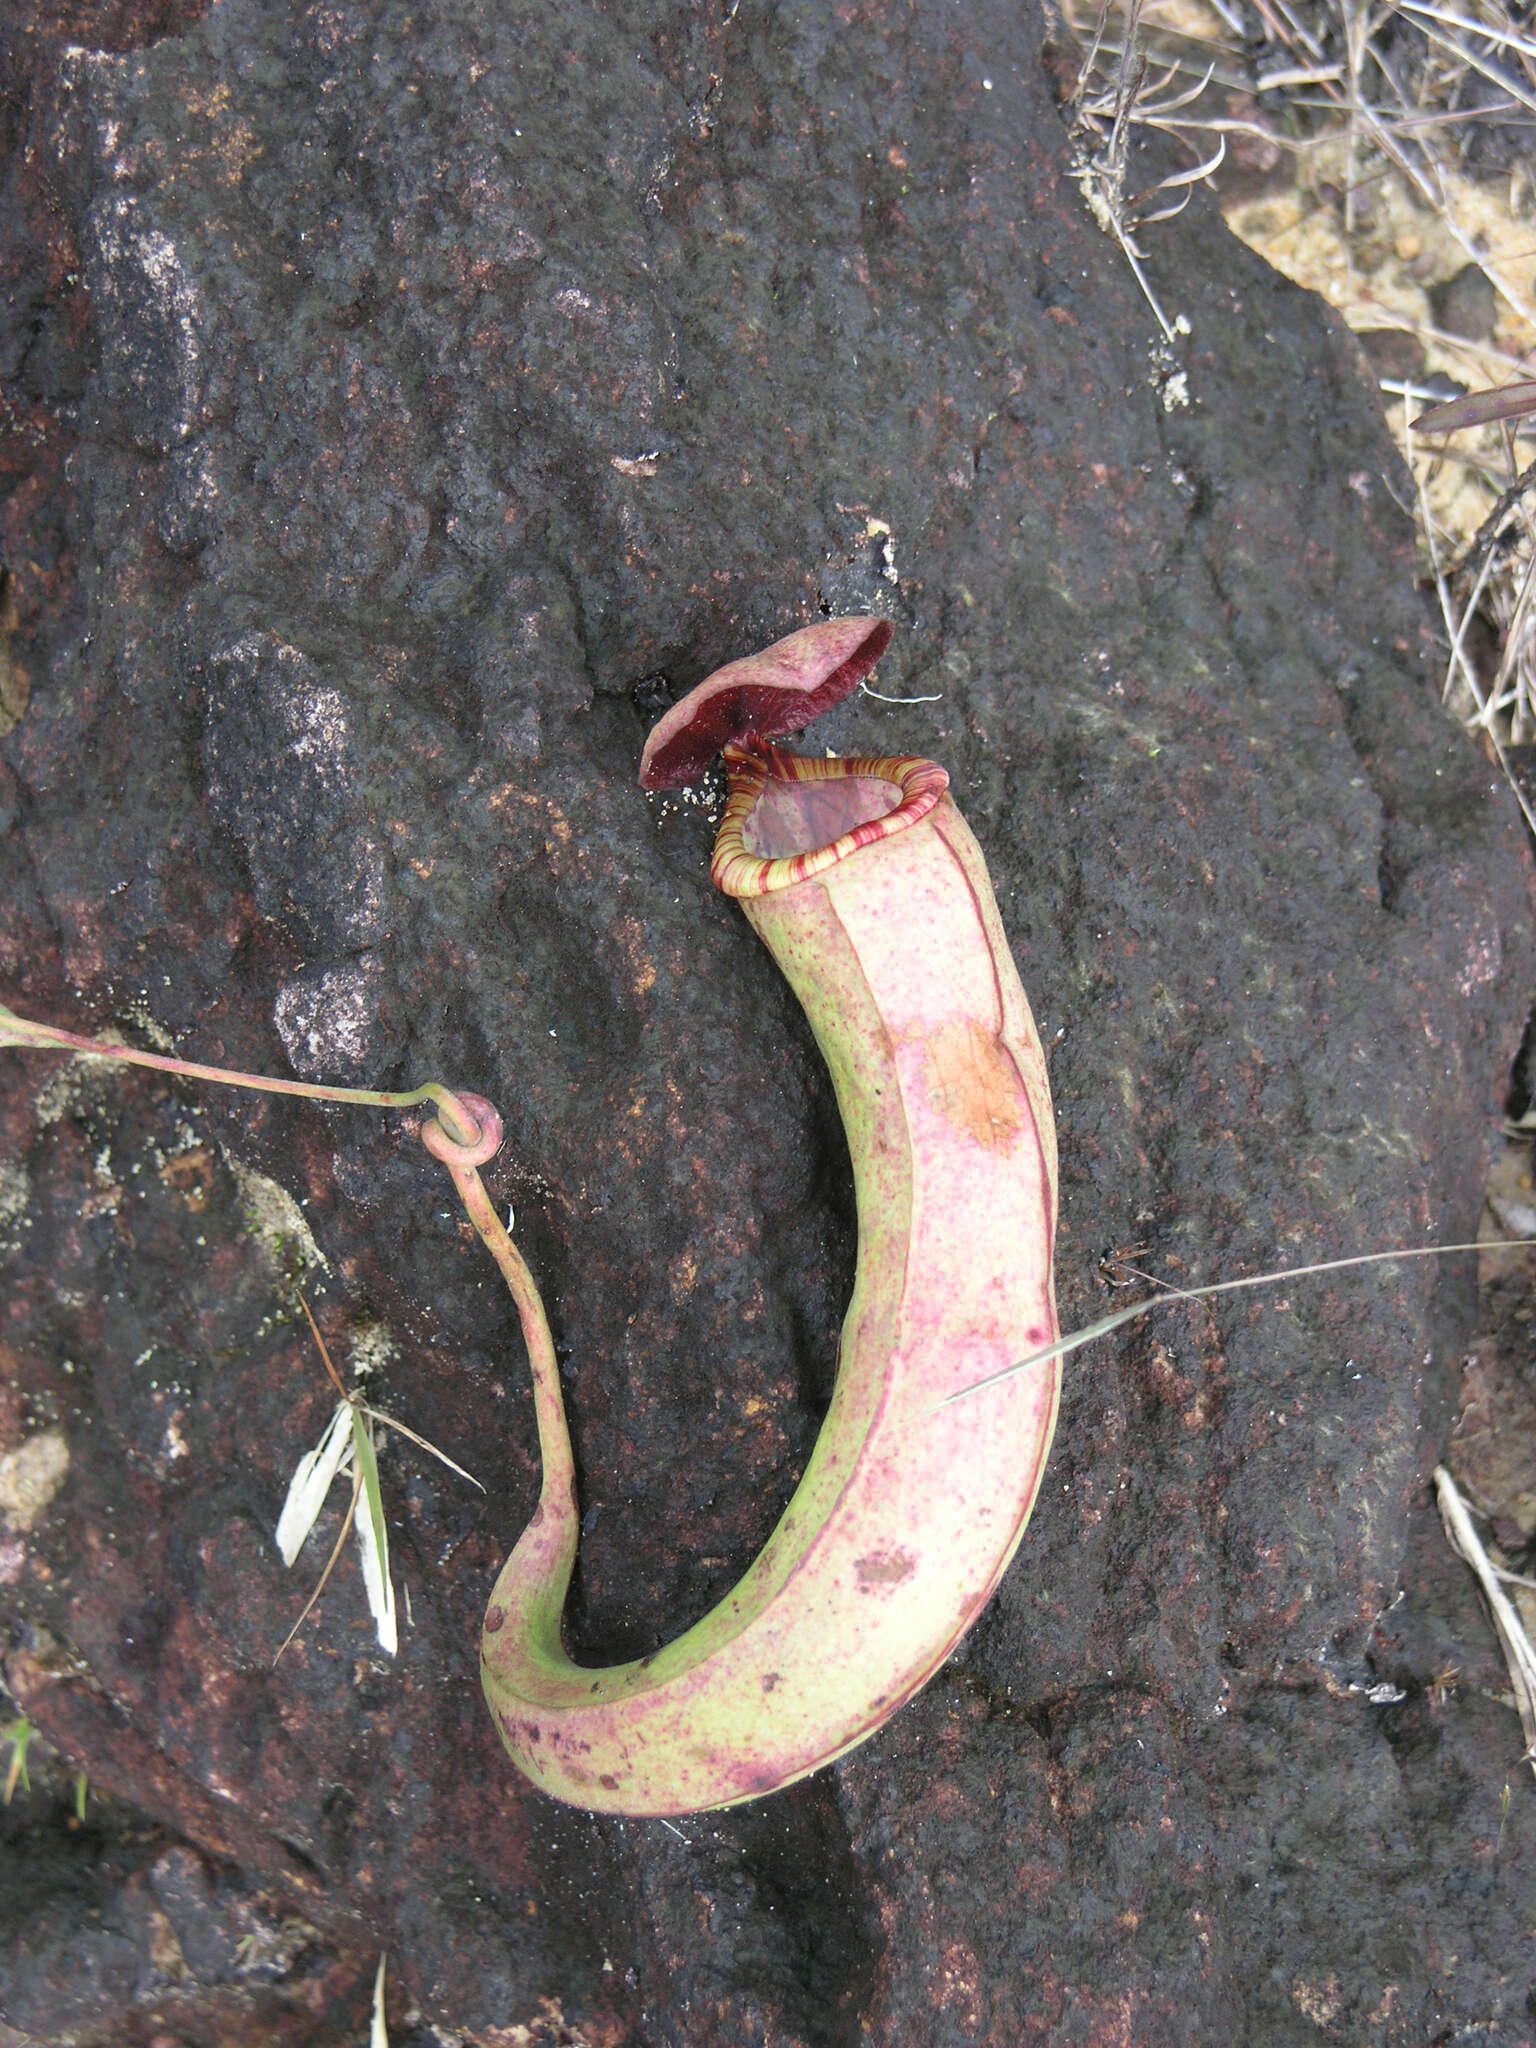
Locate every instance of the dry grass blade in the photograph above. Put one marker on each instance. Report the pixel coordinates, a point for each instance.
(377, 1414)
(1476, 358)
(1464, 51)
(1427, 177)
(1478, 408)
(421, 1442)
(1500, 33)
(311, 1483)
(348, 1439)
(1463, 690)
(330, 1564)
(1105, 111)
(1181, 183)
(1090, 1333)
(1512, 684)
(1519, 1655)
(378, 2036)
(373, 1536)
(325, 1356)
(1492, 528)
(1387, 82)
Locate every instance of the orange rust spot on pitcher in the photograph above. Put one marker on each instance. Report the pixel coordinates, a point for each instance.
(975, 1084)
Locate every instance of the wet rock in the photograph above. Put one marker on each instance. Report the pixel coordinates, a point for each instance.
(452, 387)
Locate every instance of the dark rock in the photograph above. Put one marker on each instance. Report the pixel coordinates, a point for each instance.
(114, 1937)
(438, 380)
(1466, 304)
(1392, 353)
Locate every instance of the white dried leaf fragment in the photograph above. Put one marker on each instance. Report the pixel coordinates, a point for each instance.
(311, 1482)
(377, 2035)
(373, 1539)
(377, 1585)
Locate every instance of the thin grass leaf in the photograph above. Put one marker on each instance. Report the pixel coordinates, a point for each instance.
(1091, 58)
(1478, 408)
(1229, 77)
(373, 1538)
(367, 1465)
(1180, 182)
(1091, 1332)
(1515, 631)
(422, 1444)
(18, 1734)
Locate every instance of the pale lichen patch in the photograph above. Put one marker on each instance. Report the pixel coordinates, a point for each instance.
(77, 1080)
(15, 1197)
(373, 1349)
(275, 1219)
(30, 1476)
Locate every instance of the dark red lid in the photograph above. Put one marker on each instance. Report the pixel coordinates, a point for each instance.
(763, 696)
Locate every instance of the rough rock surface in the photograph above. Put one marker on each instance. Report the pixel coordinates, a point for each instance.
(402, 402)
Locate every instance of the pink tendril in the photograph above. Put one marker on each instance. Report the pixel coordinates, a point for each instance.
(478, 1115)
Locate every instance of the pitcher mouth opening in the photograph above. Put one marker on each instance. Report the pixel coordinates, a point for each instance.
(791, 816)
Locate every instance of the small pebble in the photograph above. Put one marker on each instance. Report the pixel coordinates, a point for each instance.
(1465, 304)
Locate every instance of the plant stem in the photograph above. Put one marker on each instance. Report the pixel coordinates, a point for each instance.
(23, 1034)
(559, 1464)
